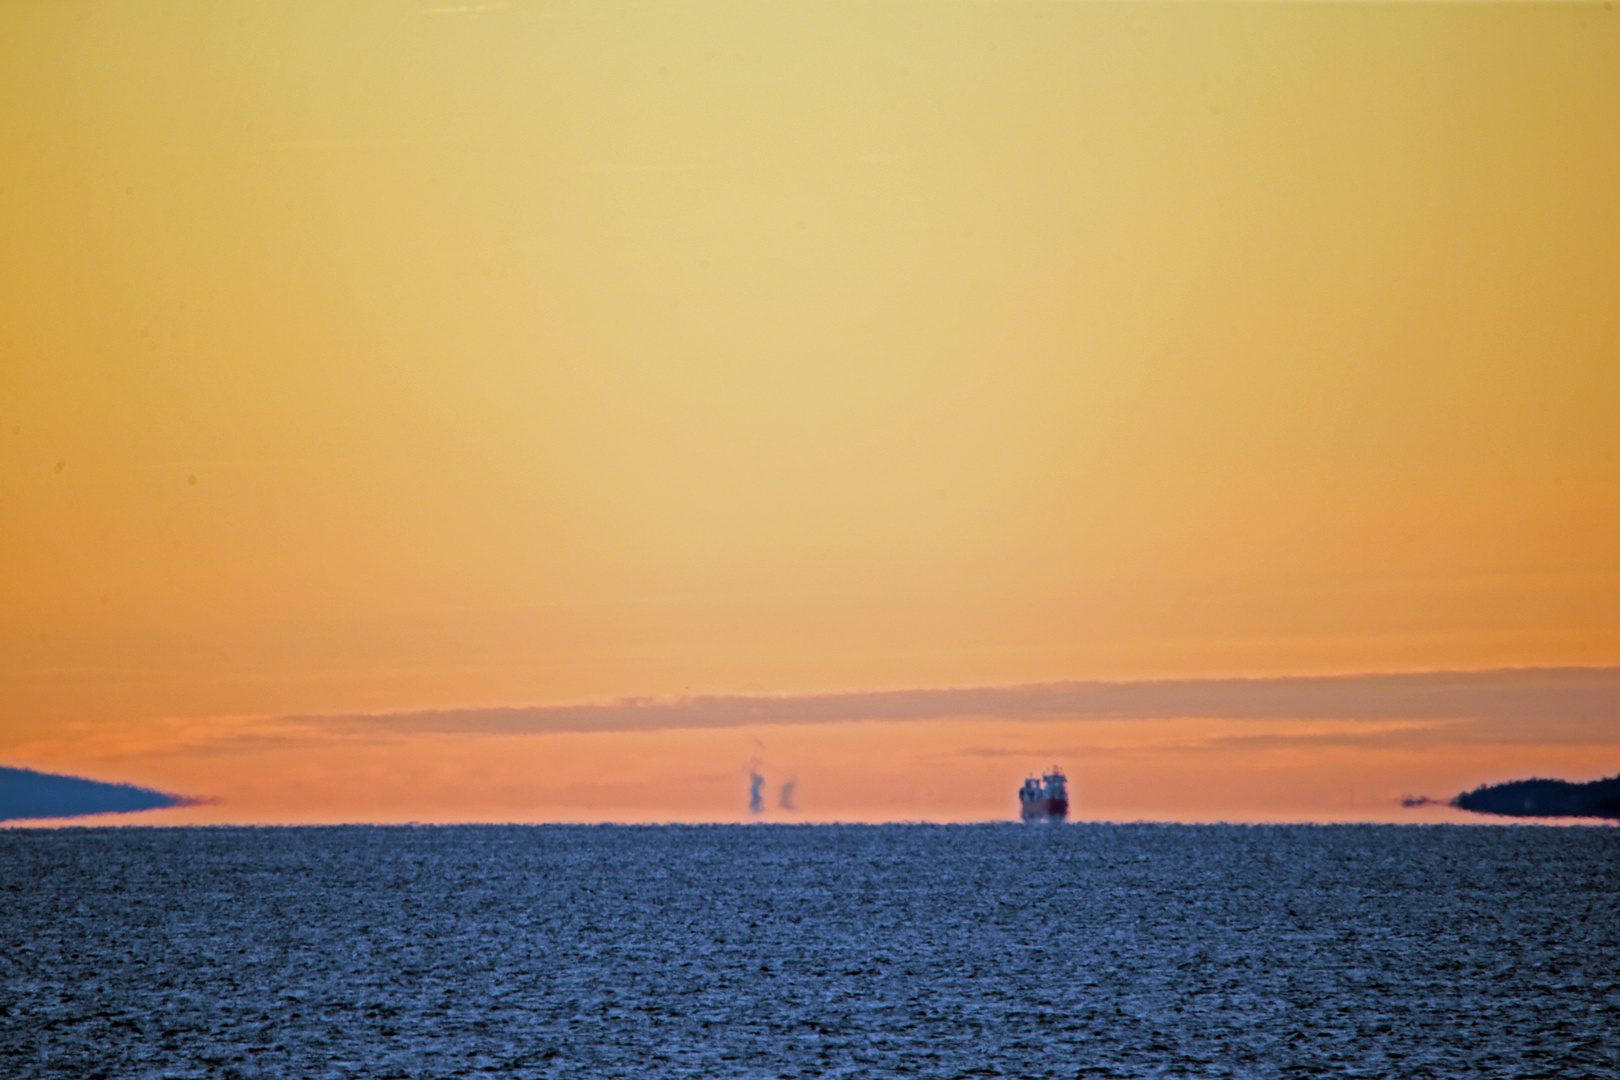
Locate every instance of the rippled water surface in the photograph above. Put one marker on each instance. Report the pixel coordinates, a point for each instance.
(756, 951)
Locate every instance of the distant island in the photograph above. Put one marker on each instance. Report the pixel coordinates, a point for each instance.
(1545, 798)
(25, 794)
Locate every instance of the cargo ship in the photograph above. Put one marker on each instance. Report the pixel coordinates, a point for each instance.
(1045, 799)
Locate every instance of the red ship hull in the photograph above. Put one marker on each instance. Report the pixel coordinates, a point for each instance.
(1046, 809)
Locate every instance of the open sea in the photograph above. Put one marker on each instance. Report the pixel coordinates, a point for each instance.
(810, 951)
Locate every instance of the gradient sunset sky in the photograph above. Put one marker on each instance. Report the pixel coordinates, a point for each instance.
(528, 411)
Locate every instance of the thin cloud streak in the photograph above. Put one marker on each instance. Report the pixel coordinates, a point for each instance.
(1568, 703)
(1369, 734)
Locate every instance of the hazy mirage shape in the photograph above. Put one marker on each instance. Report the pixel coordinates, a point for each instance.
(1502, 700)
(25, 793)
(756, 789)
(1538, 797)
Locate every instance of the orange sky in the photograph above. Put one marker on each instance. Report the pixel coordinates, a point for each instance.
(385, 357)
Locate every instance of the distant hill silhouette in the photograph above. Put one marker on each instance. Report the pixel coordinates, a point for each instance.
(25, 793)
(1545, 798)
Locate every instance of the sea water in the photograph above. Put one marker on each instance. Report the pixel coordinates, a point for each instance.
(767, 951)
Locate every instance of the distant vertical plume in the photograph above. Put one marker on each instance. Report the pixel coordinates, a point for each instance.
(785, 798)
(756, 788)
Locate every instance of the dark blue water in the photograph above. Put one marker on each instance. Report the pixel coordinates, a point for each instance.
(752, 951)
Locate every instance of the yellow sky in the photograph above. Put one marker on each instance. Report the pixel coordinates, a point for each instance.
(382, 357)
